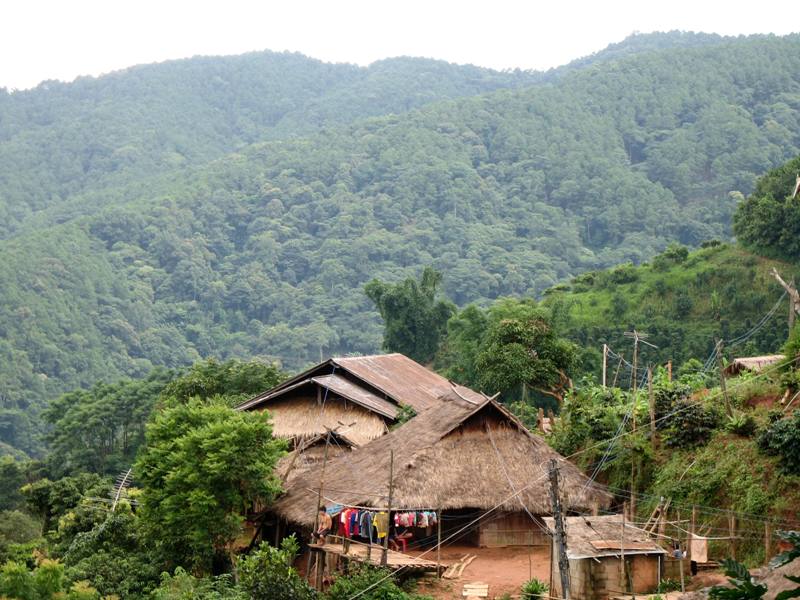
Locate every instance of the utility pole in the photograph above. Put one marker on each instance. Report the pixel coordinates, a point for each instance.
(722, 378)
(385, 554)
(652, 405)
(605, 363)
(637, 336)
(561, 534)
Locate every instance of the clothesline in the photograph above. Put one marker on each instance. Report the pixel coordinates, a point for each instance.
(376, 508)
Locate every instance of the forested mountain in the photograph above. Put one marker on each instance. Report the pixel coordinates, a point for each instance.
(266, 251)
(61, 139)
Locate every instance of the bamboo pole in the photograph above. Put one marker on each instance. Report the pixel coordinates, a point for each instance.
(622, 581)
(439, 543)
(652, 405)
(732, 534)
(680, 556)
(385, 554)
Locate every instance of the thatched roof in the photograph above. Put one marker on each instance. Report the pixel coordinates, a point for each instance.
(305, 419)
(460, 453)
(381, 383)
(753, 363)
(590, 537)
(311, 454)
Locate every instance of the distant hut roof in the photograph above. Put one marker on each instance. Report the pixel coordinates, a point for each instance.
(590, 537)
(457, 454)
(755, 364)
(311, 454)
(394, 379)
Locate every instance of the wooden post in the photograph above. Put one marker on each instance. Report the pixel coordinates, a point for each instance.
(541, 419)
(623, 582)
(767, 541)
(385, 554)
(732, 534)
(722, 379)
(652, 406)
(680, 554)
(692, 526)
(319, 499)
(595, 508)
(320, 570)
(561, 534)
(605, 363)
(669, 370)
(439, 543)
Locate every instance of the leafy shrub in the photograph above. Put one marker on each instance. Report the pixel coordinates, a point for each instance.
(668, 585)
(683, 304)
(782, 438)
(626, 273)
(45, 582)
(690, 424)
(742, 586)
(379, 582)
(741, 423)
(534, 589)
(267, 574)
(184, 586)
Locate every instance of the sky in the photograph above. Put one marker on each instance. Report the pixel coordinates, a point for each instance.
(63, 39)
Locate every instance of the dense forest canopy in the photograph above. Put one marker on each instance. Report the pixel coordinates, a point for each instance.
(265, 252)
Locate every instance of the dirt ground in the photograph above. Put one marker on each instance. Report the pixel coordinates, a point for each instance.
(504, 569)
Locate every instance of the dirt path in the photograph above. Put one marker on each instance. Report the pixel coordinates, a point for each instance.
(504, 569)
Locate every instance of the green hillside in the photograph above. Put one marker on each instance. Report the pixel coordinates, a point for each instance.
(264, 252)
(62, 139)
(684, 301)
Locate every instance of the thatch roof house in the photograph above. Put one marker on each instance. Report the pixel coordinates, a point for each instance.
(594, 548)
(463, 452)
(358, 397)
(755, 364)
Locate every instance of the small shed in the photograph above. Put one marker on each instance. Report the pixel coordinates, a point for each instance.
(595, 545)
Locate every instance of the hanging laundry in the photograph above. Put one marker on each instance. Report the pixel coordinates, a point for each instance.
(381, 523)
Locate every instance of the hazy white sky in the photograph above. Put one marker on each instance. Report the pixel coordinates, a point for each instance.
(61, 39)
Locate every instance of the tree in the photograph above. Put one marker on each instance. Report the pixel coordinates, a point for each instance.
(100, 429)
(202, 466)
(414, 319)
(234, 380)
(522, 348)
(12, 478)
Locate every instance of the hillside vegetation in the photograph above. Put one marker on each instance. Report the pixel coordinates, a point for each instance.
(265, 252)
(684, 301)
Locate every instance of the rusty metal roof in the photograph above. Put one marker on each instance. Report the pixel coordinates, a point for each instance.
(355, 393)
(590, 536)
(404, 380)
(401, 381)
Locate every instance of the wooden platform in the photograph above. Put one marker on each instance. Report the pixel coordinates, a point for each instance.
(372, 555)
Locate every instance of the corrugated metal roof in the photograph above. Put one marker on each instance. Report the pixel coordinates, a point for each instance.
(404, 380)
(582, 531)
(355, 393)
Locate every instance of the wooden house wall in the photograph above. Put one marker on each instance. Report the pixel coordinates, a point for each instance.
(512, 529)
